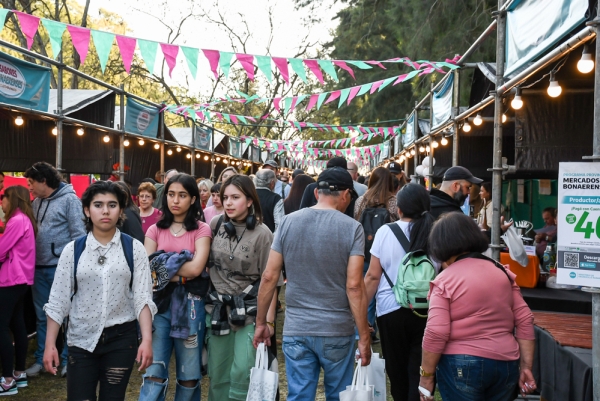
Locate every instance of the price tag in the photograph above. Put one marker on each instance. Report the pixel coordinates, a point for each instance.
(578, 241)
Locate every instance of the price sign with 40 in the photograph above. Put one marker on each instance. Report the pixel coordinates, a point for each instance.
(584, 226)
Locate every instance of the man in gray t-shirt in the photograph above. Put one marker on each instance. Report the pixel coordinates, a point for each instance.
(323, 251)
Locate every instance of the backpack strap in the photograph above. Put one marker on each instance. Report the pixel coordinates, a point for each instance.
(127, 244)
(78, 249)
(219, 222)
(404, 242)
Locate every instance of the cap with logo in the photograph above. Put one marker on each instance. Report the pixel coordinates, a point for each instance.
(394, 167)
(271, 163)
(336, 179)
(461, 173)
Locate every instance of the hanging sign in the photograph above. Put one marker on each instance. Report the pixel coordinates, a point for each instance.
(24, 84)
(578, 230)
(235, 148)
(141, 119)
(203, 138)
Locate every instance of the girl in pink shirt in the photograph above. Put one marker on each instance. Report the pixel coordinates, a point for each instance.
(17, 256)
(479, 339)
(217, 207)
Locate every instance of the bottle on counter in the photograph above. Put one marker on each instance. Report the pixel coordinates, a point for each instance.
(549, 260)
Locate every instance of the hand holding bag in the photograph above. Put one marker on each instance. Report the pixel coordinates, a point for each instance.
(360, 390)
(263, 382)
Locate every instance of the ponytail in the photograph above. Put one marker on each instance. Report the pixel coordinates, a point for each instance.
(414, 203)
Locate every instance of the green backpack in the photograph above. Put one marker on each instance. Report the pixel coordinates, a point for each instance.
(415, 273)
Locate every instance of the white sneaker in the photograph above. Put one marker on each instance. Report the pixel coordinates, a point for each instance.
(8, 389)
(63, 371)
(34, 370)
(21, 379)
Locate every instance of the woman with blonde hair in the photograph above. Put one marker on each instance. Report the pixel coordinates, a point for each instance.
(204, 187)
(226, 173)
(17, 256)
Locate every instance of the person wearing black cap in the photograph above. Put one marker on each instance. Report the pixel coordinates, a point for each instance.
(325, 297)
(454, 190)
(309, 199)
(396, 169)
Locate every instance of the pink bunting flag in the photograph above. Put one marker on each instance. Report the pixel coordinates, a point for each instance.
(29, 26)
(81, 40)
(294, 101)
(411, 63)
(213, 60)
(219, 116)
(426, 71)
(276, 104)
(334, 95)
(375, 86)
(127, 47)
(353, 140)
(344, 66)
(313, 65)
(282, 65)
(377, 63)
(401, 78)
(247, 61)
(312, 101)
(353, 91)
(170, 53)
(234, 118)
(251, 119)
(381, 131)
(332, 142)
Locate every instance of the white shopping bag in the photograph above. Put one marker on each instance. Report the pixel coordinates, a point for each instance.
(376, 375)
(263, 382)
(360, 390)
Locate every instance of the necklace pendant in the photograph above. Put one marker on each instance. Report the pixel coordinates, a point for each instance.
(230, 257)
(101, 260)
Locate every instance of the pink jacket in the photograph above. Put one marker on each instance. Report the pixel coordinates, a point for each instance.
(17, 251)
(474, 310)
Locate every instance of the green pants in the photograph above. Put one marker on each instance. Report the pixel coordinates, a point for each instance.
(230, 359)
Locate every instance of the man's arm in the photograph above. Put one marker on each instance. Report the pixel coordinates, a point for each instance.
(266, 292)
(278, 213)
(356, 292)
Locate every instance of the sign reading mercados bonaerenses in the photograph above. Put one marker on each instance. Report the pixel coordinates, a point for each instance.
(578, 241)
(12, 80)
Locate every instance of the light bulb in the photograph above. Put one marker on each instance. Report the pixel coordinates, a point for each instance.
(225, 161)
(554, 89)
(218, 158)
(435, 144)
(478, 120)
(54, 131)
(586, 64)
(467, 126)
(427, 149)
(19, 121)
(178, 149)
(141, 142)
(170, 152)
(126, 142)
(504, 118)
(413, 151)
(197, 155)
(156, 146)
(80, 131)
(421, 149)
(106, 138)
(517, 102)
(189, 156)
(444, 141)
(205, 157)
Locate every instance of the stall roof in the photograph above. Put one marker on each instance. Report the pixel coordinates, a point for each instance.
(184, 135)
(75, 99)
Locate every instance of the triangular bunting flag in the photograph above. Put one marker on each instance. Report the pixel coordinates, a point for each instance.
(322, 97)
(312, 101)
(313, 65)
(360, 64)
(344, 66)
(29, 26)
(343, 96)
(287, 102)
(148, 50)
(264, 65)
(385, 83)
(191, 57)
(225, 62)
(81, 40)
(247, 62)
(213, 60)
(103, 43)
(334, 95)
(282, 66)
(298, 67)
(328, 67)
(170, 52)
(55, 31)
(375, 85)
(127, 47)
(3, 13)
(363, 89)
(353, 91)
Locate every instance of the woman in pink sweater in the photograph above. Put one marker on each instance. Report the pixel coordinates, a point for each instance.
(17, 256)
(479, 339)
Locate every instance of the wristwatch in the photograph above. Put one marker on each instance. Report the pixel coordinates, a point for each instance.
(425, 374)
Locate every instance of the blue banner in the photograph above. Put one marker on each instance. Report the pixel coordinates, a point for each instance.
(204, 138)
(24, 84)
(141, 119)
(235, 148)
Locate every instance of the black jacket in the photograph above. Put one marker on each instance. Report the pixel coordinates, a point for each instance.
(133, 224)
(268, 199)
(442, 203)
(309, 200)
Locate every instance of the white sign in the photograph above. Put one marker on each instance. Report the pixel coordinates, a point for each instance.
(12, 81)
(143, 121)
(578, 243)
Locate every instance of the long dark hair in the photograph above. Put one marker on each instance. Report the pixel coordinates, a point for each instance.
(293, 200)
(103, 187)
(193, 214)
(18, 198)
(413, 202)
(454, 234)
(246, 186)
(381, 188)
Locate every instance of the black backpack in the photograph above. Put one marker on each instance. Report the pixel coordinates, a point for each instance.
(372, 219)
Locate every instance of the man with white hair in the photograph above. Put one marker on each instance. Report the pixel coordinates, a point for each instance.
(358, 187)
(271, 203)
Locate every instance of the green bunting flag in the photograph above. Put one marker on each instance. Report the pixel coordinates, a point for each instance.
(103, 42)
(287, 102)
(148, 51)
(55, 32)
(360, 64)
(191, 56)
(343, 96)
(329, 68)
(321, 99)
(264, 65)
(298, 67)
(225, 62)
(3, 13)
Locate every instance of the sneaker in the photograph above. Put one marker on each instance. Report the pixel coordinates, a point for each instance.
(8, 389)
(34, 370)
(21, 379)
(63, 371)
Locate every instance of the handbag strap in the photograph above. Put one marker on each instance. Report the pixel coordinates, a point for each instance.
(404, 243)
(262, 358)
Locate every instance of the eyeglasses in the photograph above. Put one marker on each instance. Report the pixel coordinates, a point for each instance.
(145, 196)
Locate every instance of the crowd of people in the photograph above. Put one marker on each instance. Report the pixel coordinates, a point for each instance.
(189, 265)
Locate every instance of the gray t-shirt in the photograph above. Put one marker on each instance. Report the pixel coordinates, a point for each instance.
(316, 245)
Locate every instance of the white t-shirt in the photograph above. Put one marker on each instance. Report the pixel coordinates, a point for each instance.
(388, 250)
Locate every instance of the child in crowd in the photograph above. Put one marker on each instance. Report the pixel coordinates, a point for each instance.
(217, 207)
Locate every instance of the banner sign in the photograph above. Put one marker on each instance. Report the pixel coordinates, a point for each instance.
(409, 136)
(578, 241)
(141, 119)
(203, 138)
(24, 84)
(442, 102)
(255, 154)
(235, 148)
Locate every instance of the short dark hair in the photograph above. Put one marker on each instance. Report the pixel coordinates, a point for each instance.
(215, 188)
(551, 210)
(103, 187)
(454, 234)
(44, 172)
(193, 214)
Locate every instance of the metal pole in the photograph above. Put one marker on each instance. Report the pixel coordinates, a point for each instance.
(212, 154)
(477, 43)
(497, 157)
(455, 112)
(59, 111)
(161, 121)
(122, 136)
(193, 158)
(430, 174)
(416, 135)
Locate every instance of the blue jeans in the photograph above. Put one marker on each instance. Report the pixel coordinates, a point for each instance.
(472, 378)
(42, 284)
(188, 356)
(304, 358)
